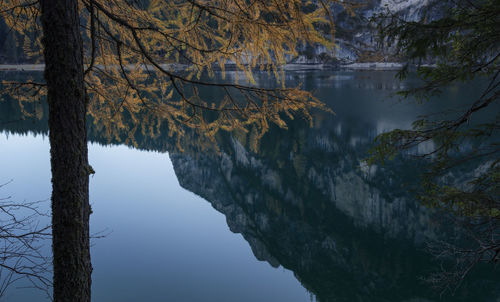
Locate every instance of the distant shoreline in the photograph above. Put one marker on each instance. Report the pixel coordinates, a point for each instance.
(379, 66)
(375, 66)
(22, 67)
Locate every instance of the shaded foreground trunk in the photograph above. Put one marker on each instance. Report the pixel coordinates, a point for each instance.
(68, 149)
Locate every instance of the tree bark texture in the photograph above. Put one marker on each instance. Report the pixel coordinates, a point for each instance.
(68, 149)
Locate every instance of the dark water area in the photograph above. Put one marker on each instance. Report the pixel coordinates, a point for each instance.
(294, 216)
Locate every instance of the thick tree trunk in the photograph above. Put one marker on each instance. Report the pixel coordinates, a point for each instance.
(68, 149)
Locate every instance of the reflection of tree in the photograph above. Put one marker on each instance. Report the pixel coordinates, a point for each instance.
(21, 238)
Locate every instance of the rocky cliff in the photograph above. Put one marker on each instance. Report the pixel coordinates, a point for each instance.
(356, 36)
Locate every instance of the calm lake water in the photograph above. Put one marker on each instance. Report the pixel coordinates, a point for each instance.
(293, 217)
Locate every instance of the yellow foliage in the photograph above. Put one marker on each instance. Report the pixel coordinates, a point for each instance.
(150, 60)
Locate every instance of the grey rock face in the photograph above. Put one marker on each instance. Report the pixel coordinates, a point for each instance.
(356, 38)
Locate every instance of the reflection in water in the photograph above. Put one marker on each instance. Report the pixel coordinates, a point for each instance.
(302, 198)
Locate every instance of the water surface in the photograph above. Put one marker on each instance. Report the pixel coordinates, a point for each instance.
(292, 217)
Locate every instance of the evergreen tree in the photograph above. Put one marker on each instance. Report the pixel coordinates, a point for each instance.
(460, 42)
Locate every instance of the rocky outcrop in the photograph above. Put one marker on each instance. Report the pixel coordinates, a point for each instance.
(356, 36)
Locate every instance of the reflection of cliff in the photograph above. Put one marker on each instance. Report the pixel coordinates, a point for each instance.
(301, 203)
(308, 166)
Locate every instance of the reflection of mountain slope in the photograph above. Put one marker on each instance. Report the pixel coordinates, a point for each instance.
(303, 166)
(312, 221)
(298, 224)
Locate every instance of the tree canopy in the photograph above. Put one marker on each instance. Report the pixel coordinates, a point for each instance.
(169, 49)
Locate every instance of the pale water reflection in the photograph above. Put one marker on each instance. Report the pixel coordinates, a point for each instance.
(163, 243)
